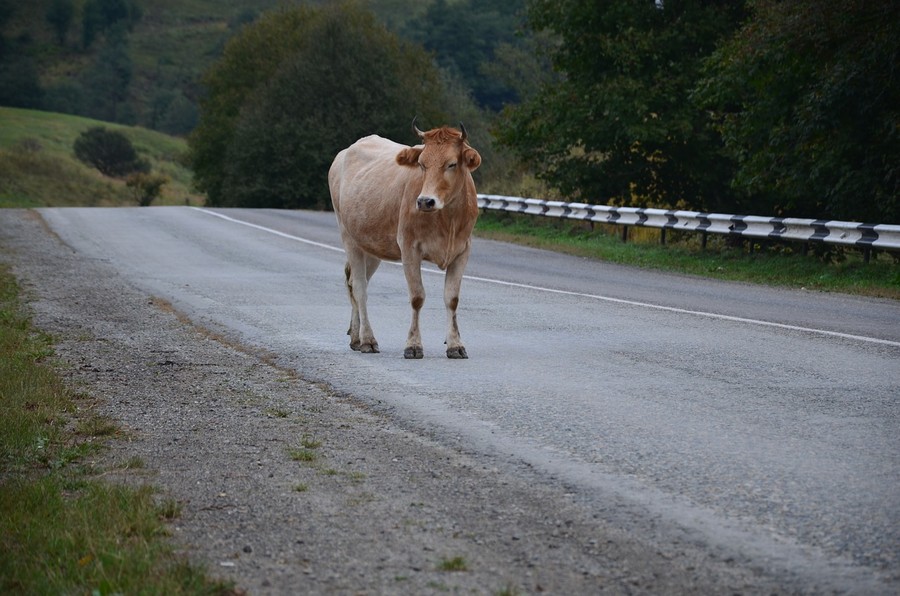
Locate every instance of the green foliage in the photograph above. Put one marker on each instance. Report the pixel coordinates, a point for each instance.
(100, 16)
(19, 84)
(464, 36)
(109, 151)
(59, 15)
(453, 564)
(108, 80)
(145, 187)
(292, 90)
(248, 61)
(807, 98)
(179, 117)
(19, 73)
(66, 96)
(618, 127)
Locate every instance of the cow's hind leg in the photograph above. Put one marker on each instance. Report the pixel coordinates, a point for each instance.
(452, 282)
(358, 271)
(353, 331)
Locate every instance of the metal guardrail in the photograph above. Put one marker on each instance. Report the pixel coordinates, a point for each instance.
(863, 235)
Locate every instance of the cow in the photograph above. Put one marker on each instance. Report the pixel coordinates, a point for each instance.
(400, 203)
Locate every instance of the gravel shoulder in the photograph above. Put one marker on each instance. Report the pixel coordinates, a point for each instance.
(287, 487)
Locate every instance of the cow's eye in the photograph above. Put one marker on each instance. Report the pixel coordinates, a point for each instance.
(450, 166)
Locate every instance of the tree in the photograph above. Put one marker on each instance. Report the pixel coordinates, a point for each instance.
(618, 125)
(100, 16)
(292, 90)
(464, 36)
(807, 98)
(19, 78)
(109, 151)
(19, 83)
(59, 14)
(248, 61)
(109, 78)
(180, 116)
(66, 96)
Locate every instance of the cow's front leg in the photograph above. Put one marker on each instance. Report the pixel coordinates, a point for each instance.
(452, 282)
(412, 267)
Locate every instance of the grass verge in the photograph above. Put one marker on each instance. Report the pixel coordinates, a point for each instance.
(771, 265)
(63, 530)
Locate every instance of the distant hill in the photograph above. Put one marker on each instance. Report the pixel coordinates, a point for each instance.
(38, 167)
(166, 48)
(141, 61)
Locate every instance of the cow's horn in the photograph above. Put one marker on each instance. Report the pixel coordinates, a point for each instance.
(415, 128)
(462, 129)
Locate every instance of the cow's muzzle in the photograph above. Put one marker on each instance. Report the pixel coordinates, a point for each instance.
(426, 203)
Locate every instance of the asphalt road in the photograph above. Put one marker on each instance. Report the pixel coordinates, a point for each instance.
(761, 424)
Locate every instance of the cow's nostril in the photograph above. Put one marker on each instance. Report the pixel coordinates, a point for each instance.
(426, 203)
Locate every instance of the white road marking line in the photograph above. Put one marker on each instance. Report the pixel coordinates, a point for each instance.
(673, 309)
(269, 230)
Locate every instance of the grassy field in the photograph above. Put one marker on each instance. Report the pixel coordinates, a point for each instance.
(779, 266)
(38, 167)
(63, 530)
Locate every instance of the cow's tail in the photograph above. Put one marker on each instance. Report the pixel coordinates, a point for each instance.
(349, 289)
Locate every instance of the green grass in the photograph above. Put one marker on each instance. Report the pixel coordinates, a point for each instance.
(304, 455)
(310, 443)
(63, 530)
(38, 167)
(777, 266)
(453, 564)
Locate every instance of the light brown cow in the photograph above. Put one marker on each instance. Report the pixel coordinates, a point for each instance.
(409, 204)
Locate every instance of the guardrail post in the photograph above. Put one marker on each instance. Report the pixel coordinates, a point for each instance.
(703, 236)
(662, 236)
(624, 233)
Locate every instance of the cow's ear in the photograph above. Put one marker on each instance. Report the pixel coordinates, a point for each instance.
(409, 156)
(472, 159)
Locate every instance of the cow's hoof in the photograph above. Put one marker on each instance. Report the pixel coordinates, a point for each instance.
(457, 353)
(371, 348)
(355, 346)
(414, 352)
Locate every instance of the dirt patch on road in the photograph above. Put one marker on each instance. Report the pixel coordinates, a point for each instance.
(287, 487)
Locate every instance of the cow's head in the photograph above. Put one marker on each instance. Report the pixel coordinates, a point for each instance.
(445, 160)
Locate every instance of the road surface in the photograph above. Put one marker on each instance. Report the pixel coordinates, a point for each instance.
(762, 424)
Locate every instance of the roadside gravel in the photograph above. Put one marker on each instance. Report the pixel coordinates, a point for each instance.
(286, 487)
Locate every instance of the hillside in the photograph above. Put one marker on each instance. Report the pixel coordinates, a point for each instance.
(38, 167)
(146, 67)
(156, 66)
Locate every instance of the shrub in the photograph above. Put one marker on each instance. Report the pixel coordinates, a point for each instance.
(145, 188)
(109, 151)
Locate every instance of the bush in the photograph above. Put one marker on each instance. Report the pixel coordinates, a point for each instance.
(109, 151)
(145, 188)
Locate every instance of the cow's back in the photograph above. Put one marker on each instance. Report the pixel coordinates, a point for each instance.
(367, 188)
